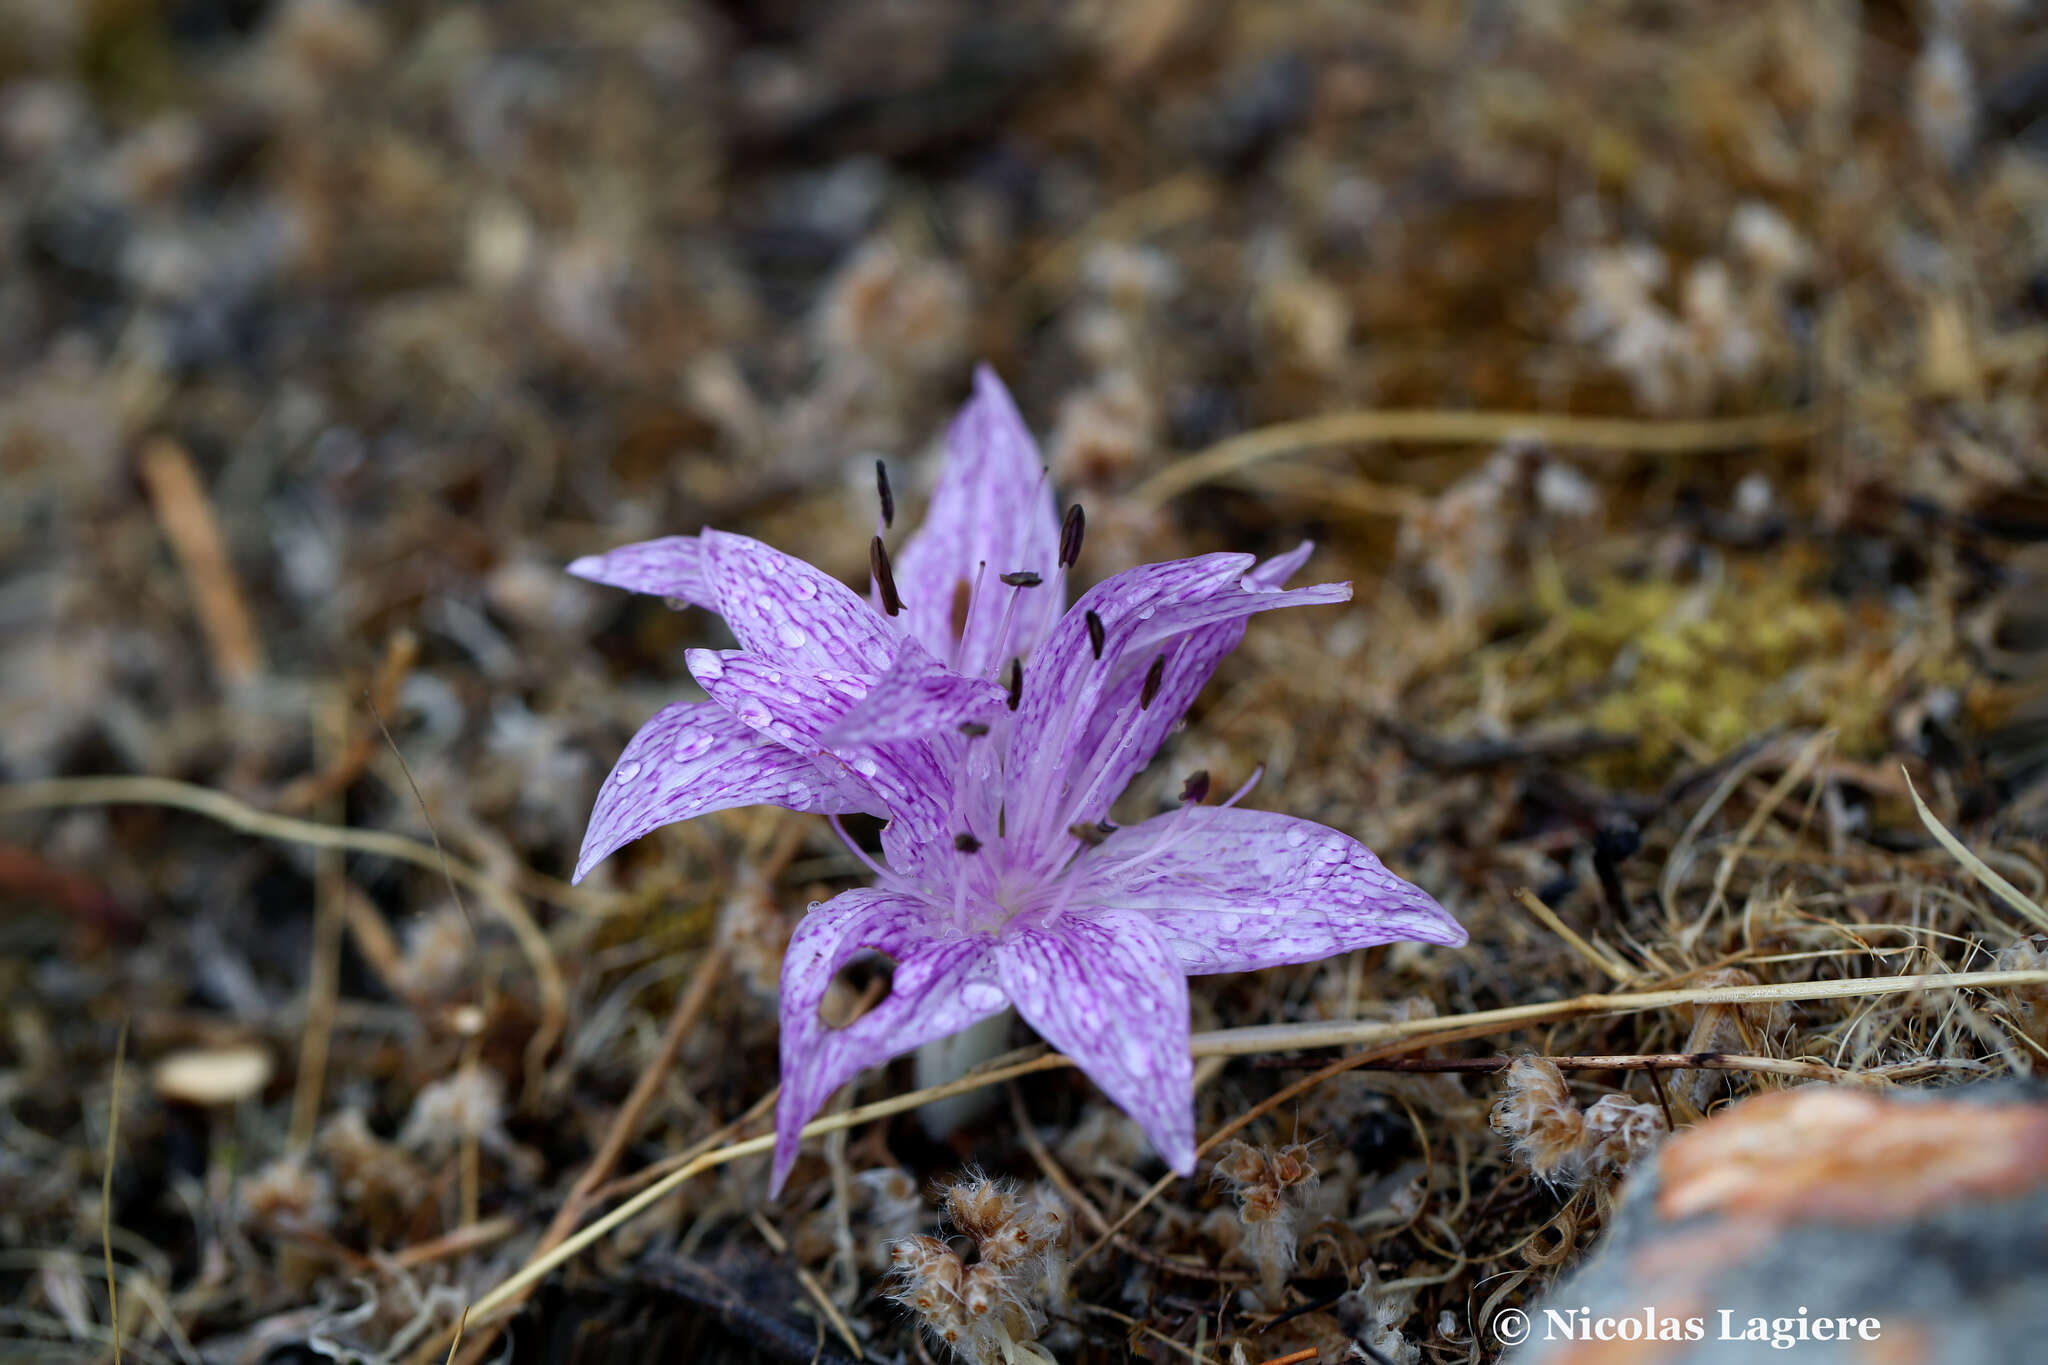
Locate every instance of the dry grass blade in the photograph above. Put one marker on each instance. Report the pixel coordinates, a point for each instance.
(1535, 906)
(819, 1297)
(1447, 427)
(1975, 865)
(59, 792)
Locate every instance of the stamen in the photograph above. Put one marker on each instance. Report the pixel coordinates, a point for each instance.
(1017, 683)
(1088, 834)
(1153, 677)
(1022, 578)
(888, 498)
(1096, 634)
(1195, 790)
(885, 577)
(967, 843)
(855, 849)
(963, 612)
(1070, 536)
(973, 729)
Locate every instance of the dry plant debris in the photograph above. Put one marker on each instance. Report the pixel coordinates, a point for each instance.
(1667, 379)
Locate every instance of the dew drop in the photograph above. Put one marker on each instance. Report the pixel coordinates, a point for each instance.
(981, 995)
(802, 589)
(1332, 851)
(756, 717)
(1296, 838)
(866, 767)
(690, 745)
(708, 668)
(791, 636)
(628, 770)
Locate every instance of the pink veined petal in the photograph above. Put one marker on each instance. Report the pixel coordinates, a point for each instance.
(673, 566)
(1103, 988)
(911, 780)
(1081, 733)
(918, 696)
(994, 507)
(793, 613)
(1275, 572)
(1233, 890)
(693, 758)
(942, 984)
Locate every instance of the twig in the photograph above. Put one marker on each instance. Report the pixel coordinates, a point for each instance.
(107, 1188)
(187, 519)
(455, 1242)
(1241, 452)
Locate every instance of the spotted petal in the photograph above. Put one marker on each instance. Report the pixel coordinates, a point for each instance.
(1084, 729)
(1106, 990)
(993, 507)
(673, 566)
(1234, 890)
(793, 613)
(693, 758)
(942, 984)
(918, 696)
(911, 780)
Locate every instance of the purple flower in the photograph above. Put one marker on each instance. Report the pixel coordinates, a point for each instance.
(993, 731)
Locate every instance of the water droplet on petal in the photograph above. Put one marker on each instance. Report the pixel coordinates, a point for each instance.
(755, 717)
(790, 635)
(866, 767)
(1296, 838)
(1332, 851)
(708, 668)
(628, 770)
(690, 745)
(981, 995)
(803, 589)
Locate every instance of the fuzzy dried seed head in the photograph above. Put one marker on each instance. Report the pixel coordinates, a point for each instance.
(981, 1290)
(1620, 1131)
(468, 1104)
(980, 1207)
(1540, 1121)
(287, 1197)
(2030, 1002)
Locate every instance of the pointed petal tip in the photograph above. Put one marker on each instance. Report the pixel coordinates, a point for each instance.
(778, 1173)
(585, 566)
